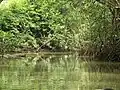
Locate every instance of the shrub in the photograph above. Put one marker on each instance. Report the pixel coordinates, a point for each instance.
(50, 22)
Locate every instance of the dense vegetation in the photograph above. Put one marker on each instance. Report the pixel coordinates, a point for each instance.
(56, 25)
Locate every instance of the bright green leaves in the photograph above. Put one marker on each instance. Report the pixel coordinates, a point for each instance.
(8, 42)
(64, 24)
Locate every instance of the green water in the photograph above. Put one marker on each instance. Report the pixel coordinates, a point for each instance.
(58, 72)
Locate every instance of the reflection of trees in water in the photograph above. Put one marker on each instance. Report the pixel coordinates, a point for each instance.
(59, 71)
(106, 67)
(52, 62)
(69, 63)
(63, 62)
(38, 63)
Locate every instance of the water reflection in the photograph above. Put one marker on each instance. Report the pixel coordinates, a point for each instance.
(58, 72)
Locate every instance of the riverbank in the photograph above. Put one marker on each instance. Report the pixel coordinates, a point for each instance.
(25, 54)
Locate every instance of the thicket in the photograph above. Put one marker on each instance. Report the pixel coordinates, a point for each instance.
(82, 25)
(49, 23)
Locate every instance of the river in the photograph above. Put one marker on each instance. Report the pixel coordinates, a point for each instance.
(58, 72)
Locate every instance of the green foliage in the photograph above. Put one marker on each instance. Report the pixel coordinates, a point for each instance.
(99, 24)
(59, 25)
(8, 42)
(49, 22)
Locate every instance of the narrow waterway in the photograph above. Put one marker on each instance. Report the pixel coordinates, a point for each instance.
(58, 72)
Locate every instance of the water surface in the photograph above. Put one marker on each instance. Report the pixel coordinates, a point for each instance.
(58, 72)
